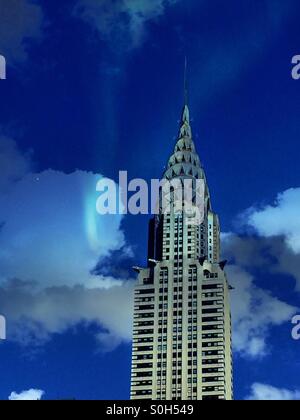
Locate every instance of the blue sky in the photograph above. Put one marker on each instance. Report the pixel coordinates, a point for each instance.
(97, 87)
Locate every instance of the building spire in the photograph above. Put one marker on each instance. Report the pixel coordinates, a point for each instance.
(186, 93)
(186, 112)
(184, 161)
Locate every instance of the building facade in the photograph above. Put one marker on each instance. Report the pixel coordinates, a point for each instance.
(182, 346)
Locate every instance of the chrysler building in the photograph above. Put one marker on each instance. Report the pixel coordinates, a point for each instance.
(182, 348)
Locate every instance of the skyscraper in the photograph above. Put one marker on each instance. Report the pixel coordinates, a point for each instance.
(182, 321)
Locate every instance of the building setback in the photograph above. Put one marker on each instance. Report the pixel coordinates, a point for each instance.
(182, 346)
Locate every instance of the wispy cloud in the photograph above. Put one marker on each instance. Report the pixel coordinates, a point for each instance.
(21, 22)
(51, 232)
(30, 395)
(13, 164)
(268, 242)
(255, 312)
(54, 255)
(263, 392)
(229, 59)
(279, 219)
(268, 237)
(34, 314)
(121, 22)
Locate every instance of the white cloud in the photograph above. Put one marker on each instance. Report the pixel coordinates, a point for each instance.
(254, 312)
(30, 395)
(21, 20)
(51, 240)
(280, 219)
(121, 18)
(34, 315)
(276, 245)
(51, 232)
(272, 255)
(13, 164)
(262, 392)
